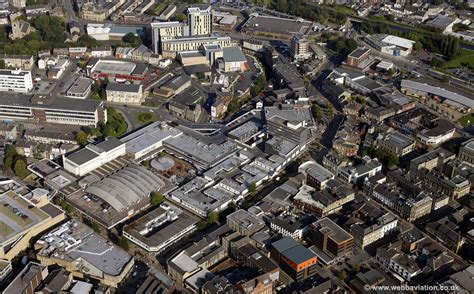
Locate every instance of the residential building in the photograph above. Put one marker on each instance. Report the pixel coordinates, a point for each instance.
(93, 156)
(85, 254)
(300, 48)
(25, 62)
(331, 238)
(124, 93)
(27, 213)
(16, 81)
(297, 261)
(398, 262)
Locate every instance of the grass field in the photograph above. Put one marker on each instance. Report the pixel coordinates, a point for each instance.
(5, 230)
(159, 8)
(465, 58)
(147, 117)
(467, 120)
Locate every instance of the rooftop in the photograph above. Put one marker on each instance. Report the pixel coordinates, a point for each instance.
(335, 232)
(77, 242)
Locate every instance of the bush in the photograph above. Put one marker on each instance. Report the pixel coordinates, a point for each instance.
(20, 169)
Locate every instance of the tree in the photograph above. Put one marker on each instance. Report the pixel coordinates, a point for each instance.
(201, 225)
(2, 64)
(8, 162)
(131, 39)
(316, 110)
(11, 151)
(157, 198)
(342, 275)
(330, 109)
(436, 62)
(213, 217)
(20, 169)
(282, 5)
(81, 138)
(252, 188)
(123, 242)
(96, 227)
(180, 17)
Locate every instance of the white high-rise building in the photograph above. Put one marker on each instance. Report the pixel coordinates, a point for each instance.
(199, 24)
(15, 80)
(199, 21)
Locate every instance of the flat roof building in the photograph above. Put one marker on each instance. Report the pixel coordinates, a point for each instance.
(276, 26)
(160, 228)
(81, 251)
(124, 93)
(50, 109)
(24, 214)
(118, 196)
(331, 238)
(80, 88)
(93, 156)
(16, 81)
(244, 222)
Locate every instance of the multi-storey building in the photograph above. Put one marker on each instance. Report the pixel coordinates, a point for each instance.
(124, 93)
(244, 222)
(300, 48)
(199, 21)
(366, 234)
(297, 261)
(15, 81)
(50, 109)
(331, 238)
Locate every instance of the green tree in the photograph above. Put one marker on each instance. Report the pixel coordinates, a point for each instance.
(330, 109)
(20, 169)
(8, 162)
(11, 151)
(157, 198)
(252, 188)
(316, 111)
(342, 275)
(213, 217)
(96, 227)
(123, 242)
(201, 225)
(2, 64)
(131, 39)
(180, 17)
(81, 138)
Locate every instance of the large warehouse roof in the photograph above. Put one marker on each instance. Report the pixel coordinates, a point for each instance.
(126, 187)
(466, 101)
(397, 41)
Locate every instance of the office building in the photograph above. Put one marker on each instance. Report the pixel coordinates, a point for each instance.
(93, 156)
(331, 238)
(297, 261)
(50, 109)
(85, 254)
(316, 175)
(392, 45)
(124, 93)
(19, 81)
(359, 58)
(466, 152)
(396, 143)
(80, 88)
(171, 47)
(25, 214)
(244, 222)
(160, 228)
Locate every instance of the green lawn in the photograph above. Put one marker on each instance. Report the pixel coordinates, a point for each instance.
(467, 120)
(147, 117)
(5, 230)
(465, 58)
(159, 8)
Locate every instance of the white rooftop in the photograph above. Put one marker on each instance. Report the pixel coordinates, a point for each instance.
(400, 42)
